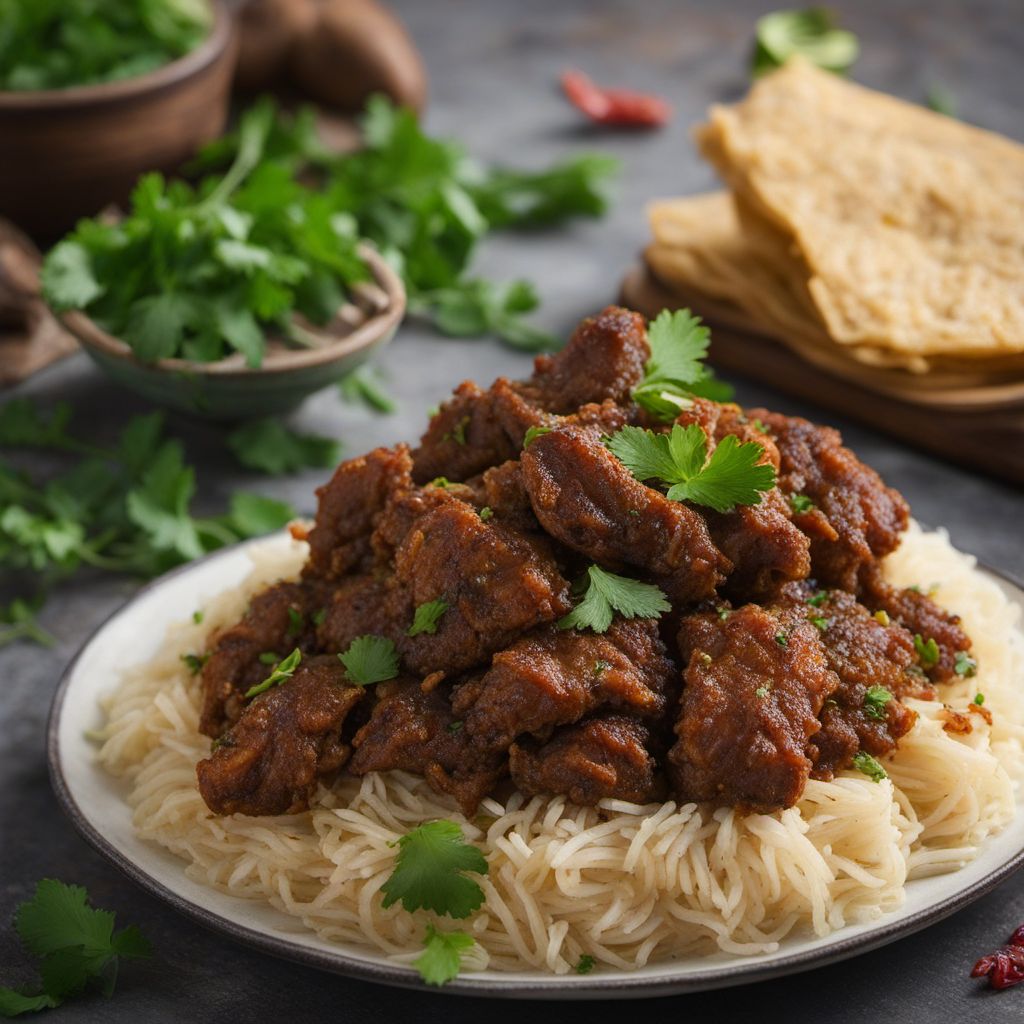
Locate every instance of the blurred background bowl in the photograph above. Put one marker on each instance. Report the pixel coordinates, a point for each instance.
(229, 389)
(67, 153)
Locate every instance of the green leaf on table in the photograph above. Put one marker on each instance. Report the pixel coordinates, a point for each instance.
(269, 446)
(811, 33)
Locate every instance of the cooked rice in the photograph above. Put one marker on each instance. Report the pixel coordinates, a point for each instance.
(624, 883)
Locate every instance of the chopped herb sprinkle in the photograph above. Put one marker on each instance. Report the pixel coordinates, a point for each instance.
(818, 599)
(865, 763)
(820, 621)
(875, 700)
(762, 692)
(964, 665)
(197, 616)
(486, 512)
(269, 658)
(800, 503)
(927, 651)
(195, 662)
(781, 639)
(979, 699)
(585, 964)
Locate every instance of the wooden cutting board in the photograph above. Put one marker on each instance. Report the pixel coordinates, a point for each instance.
(980, 435)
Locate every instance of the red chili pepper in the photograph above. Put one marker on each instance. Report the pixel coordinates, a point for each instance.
(1004, 967)
(614, 106)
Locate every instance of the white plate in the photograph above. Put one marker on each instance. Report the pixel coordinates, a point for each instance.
(96, 804)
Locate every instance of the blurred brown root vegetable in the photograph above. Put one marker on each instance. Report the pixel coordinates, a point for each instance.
(267, 30)
(352, 49)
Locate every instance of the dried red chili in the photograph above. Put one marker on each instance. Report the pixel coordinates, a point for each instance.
(615, 106)
(1004, 967)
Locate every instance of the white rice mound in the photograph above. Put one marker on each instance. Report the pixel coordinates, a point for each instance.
(624, 883)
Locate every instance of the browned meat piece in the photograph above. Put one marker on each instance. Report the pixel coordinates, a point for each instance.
(402, 512)
(363, 604)
(556, 677)
(755, 684)
(764, 546)
(463, 438)
(278, 620)
(415, 731)
(497, 584)
(920, 615)
(585, 498)
(503, 491)
(349, 506)
(857, 519)
(863, 652)
(594, 759)
(285, 741)
(604, 359)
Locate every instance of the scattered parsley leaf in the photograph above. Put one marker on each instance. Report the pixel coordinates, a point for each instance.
(440, 481)
(430, 868)
(318, 616)
(675, 371)
(731, 476)
(941, 100)
(197, 616)
(296, 622)
(532, 433)
(441, 959)
(426, 617)
(979, 699)
(818, 599)
(601, 666)
(819, 621)
(781, 639)
(810, 32)
(800, 503)
(370, 659)
(269, 446)
(585, 964)
(269, 658)
(762, 692)
(486, 513)
(759, 426)
(927, 651)
(454, 727)
(964, 665)
(77, 945)
(364, 385)
(458, 432)
(195, 662)
(875, 700)
(865, 763)
(608, 594)
(282, 671)
(19, 622)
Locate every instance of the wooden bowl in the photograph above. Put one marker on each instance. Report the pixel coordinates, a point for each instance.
(67, 153)
(229, 389)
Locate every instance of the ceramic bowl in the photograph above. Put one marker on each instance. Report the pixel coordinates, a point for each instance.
(67, 153)
(229, 389)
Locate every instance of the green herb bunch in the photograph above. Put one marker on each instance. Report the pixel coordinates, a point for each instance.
(425, 205)
(55, 44)
(200, 273)
(124, 508)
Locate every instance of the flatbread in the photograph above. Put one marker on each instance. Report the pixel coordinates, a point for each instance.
(909, 225)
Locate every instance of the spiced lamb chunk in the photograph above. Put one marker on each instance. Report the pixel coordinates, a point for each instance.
(496, 584)
(464, 438)
(763, 544)
(604, 359)
(585, 498)
(369, 603)
(349, 505)
(414, 730)
(285, 741)
(874, 661)
(555, 677)
(855, 520)
(503, 491)
(920, 615)
(754, 686)
(605, 757)
(277, 621)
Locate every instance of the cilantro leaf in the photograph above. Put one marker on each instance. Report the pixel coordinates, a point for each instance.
(585, 964)
(427, 617)
(875, 700)
(964, 665)
(441, 959)
(607, 594)
(810, 32)
(430, 868)
(363, 385)
(941, 100)
(732, 476)
(532, 433)
(77, 945)
(269, 446)
(927, 651)
(872, 768)
(281, 672)
(67, 277)
(370, 659)
(159, 506)
(19, 618)
(253, 515)
(800, 503)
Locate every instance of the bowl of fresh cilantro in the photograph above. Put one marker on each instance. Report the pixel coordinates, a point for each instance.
(237, 295)
(94, 92)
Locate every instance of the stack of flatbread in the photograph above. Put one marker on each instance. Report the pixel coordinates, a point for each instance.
(876, 238)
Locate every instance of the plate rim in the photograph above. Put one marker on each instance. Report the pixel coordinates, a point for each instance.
(340, 962)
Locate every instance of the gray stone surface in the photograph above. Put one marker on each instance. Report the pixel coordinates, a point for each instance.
(494, 67)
